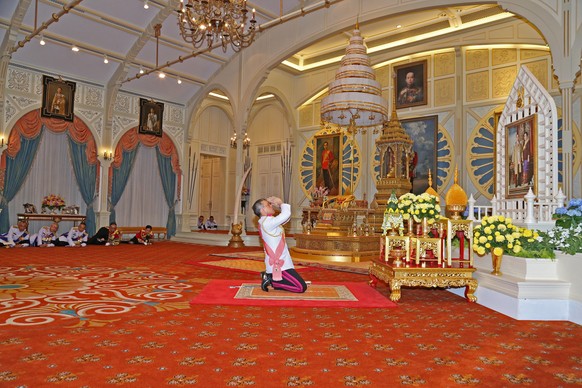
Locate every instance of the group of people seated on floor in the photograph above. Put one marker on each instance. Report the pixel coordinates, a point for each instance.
(77, 236)
(209, 224)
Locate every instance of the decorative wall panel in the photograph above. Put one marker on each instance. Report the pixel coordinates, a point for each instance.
(476, 59)
(444, 91)
(503, 81)
(478, 86)
(444, 64)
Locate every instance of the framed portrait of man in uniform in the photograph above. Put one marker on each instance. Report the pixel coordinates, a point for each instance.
(328, 163)
(411, 84)
(151, 114)
(58, 98)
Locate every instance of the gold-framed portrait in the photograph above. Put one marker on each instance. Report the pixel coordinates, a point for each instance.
(411, 84)
(58, 98)
(151, 114)
(521, 157)
(328, 163)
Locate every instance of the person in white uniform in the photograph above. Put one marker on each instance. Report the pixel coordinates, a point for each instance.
(46, 236)
(16, 237)
(76, 237)
(280, 272)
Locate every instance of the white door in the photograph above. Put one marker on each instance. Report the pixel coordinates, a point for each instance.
(270, 176)
(212, 188)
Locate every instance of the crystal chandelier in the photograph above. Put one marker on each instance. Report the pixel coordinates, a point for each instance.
(234, 140)
(216, 21)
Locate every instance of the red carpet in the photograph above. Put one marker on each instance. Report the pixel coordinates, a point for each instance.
(219, 292)
(121, 317)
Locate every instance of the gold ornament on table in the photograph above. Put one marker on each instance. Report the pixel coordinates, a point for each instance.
(456, 199)
(497, 235)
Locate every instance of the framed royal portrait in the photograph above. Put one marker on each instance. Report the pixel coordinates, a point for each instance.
(411, 84)
(521, 157)
(328, 163)
(423, 131)
(58, 98)
(151, 114)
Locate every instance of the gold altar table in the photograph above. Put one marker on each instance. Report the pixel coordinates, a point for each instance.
(417, 276)
(51, 217)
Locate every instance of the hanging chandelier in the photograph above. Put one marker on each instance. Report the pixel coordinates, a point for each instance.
(211, 22)
(234, 140)
(355, 97)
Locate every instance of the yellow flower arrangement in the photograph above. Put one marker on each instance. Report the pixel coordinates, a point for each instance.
(497, 234)
(419, 206)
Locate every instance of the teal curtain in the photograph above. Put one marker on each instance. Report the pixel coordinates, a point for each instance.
(86, 175)
(169, 184)
(119, 179)
(17, 169)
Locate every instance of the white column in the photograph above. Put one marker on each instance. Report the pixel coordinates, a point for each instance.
(101, 209)
(567, 163)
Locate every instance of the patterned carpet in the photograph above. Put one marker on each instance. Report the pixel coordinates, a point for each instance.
(119, 316)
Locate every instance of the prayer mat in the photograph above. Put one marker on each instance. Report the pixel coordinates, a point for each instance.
(248, 293)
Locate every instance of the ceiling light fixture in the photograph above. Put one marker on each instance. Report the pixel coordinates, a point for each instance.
(42, 41)
(179, 81)
(141, 70)
(217, 21)
(145, 4)
(105, 59)
(75, 48)
(161, 74)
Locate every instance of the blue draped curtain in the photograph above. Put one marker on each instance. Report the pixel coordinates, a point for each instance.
(17, 169)
(86, 175)
(169, 184)
(119, 179)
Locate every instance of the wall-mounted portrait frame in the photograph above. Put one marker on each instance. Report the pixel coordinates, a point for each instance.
(58, 98)
(328, 162)
(151, 114)
(424, 132)
(411, 84)
(521, 157)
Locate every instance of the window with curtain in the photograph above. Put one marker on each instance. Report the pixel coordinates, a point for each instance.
(143, 201)
(51, 173)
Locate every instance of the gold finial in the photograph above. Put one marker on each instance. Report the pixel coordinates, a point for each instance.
(456, 175)
(429, 178)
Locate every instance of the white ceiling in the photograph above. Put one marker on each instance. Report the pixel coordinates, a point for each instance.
(123, 30)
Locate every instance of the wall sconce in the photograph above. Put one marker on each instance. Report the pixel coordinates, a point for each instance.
(3, 143)
(107, 155)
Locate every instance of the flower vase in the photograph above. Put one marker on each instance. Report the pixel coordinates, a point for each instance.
(496, 261)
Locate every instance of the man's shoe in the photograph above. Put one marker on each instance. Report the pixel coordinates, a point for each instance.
(266, 281)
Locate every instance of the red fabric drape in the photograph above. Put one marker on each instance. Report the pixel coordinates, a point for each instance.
(29, 126)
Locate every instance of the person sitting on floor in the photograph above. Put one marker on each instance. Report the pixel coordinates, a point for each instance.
(201, 224)
(17, 236)
(46, 236)
(144, 236)
(210, 223)
(106, 236)
(76, 237)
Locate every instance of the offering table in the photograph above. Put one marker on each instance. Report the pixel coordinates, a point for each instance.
(413, 275)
